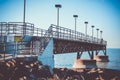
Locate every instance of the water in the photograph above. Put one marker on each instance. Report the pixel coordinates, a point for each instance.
(67, 60)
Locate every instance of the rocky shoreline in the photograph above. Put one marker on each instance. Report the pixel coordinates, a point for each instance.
(15, 69)
(87, 74)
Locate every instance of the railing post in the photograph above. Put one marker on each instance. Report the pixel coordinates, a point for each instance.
(1, 29)
(8, 29)
(37, 31)
(13, 28)
(70, 34)
(15, 47)
(4, 50)
(1, 32)
(32, 29)
(24, 29)
(51, 30)
(31, 48)
(41, 32)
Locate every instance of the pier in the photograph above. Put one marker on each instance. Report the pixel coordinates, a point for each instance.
(46, 43)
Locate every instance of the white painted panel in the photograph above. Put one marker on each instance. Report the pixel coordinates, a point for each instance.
(10, 38)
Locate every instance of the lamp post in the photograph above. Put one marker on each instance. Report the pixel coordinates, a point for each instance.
(101, 34)
(97, 34)
(24, 26)
(58, 6)
(75, 16)
(86, 29)
(92, 31)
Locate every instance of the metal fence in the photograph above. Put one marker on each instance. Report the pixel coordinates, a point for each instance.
(22, 29)
(65, 33)
(16, 28)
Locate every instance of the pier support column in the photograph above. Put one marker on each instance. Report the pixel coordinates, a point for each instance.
(101, 58)
(84, 63)
(91, 54)
(104, 51)
(79, 55)
(97, 52)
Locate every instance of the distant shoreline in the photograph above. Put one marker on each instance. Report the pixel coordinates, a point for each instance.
(113, 48)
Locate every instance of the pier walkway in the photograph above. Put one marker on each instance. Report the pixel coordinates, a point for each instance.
(25, 38)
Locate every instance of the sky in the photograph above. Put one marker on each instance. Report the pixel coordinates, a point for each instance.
(103, 14)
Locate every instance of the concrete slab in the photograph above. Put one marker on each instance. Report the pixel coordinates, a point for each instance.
(101, 58)
(84, 63)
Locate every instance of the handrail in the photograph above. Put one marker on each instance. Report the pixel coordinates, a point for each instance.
(65, 33)
(16, 28)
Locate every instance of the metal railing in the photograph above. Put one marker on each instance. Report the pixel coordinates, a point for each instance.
(17, 29)
(54, 31)
(65, 33)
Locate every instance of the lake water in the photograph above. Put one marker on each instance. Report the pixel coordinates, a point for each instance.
(67, 60)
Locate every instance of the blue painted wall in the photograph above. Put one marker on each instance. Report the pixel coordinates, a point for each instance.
(47, 57)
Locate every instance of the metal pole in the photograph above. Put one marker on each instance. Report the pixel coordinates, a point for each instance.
(1, 33)
(57, 16)
(75, 28)
(24, 27)
(15, 48)
(86, 32)
(97, 34)
(24, 10)
(75, 24)
(105, 51)
(75, 16)
(101, 34)
(57, 22)
(4, 50)
(78, 55)
(92, 32)
(1, 30)
(58, 6)
(92, 55)
(37, 31)
(86, 29)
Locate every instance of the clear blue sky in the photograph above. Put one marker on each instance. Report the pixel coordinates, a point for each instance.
(103, 14)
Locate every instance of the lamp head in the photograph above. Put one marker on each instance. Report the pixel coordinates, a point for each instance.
(58, 6)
